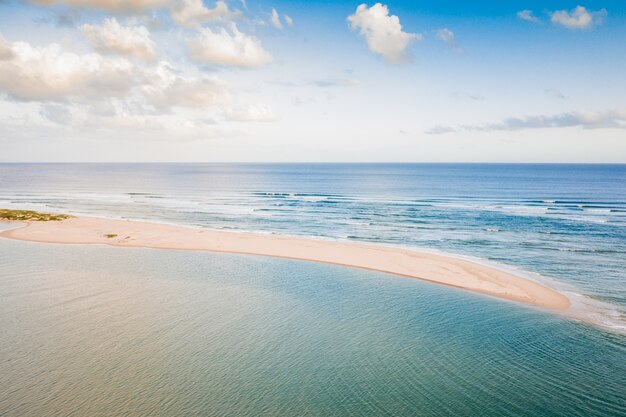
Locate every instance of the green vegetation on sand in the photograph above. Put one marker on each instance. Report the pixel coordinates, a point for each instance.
(31, 216)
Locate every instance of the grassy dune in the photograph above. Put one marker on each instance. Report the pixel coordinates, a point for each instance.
(31, 216)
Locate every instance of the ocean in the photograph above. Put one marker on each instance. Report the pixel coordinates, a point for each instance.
(112, 331)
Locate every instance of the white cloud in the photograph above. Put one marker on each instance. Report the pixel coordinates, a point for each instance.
(528, 16)
(446, 35)
(111, 5)
(5, 49)
(227, 48)
(165, 89)
(193, 13)
(100, 84)
(110, 37)
(607, 119)
(578, 18)
(250, 113)
(51, 74)
(275, 19)
(289, 21)
(259, 22)
(382, 32)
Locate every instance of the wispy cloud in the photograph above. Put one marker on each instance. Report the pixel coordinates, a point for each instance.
(553, 92)
(289, 21)
(448, 37)
(322, 82)
(275, 19)
(578, 18)
(528, 16)
(250, 113)
(441, 130)
(62, 17)
(56, 113)
(606, 119)
(383, 32)
(467, 96)
(336, 82)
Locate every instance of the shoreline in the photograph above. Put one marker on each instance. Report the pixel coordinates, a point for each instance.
(425, 266)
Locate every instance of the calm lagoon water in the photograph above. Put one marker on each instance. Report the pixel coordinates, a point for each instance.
(101, 331)
(90, 330)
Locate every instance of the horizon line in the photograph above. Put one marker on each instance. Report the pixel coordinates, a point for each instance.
(316, 162)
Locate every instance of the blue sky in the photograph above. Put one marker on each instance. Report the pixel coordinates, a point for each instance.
(186, 80)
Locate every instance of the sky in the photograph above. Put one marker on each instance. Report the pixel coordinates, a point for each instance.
(304, 81)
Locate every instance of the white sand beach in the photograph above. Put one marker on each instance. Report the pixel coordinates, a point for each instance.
(408, 263)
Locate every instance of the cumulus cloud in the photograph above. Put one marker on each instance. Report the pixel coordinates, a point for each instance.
(193, 13)
(110, 5)
(227, 48)
(102, 85)
(165, 88)
(615, 119)
(5, 49)
(382, 32)
(250, 113)
(51, 74)
(111, 37)
(528, 16)
(578, 18)
(275, 19)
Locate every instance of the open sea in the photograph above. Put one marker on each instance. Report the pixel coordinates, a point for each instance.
(103, 331)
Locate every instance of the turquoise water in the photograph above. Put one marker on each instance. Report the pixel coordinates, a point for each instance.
(564, 224)
(96, 330)
(103, 331)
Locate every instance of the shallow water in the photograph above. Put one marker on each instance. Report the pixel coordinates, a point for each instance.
(103, 331)
(564, 222)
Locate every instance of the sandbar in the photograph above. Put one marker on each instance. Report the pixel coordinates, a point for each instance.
(440, 269)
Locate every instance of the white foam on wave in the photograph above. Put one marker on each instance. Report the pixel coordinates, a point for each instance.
(583, 307)
(590, 310)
